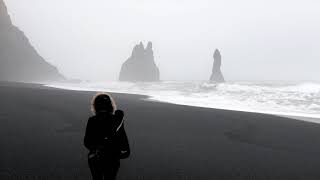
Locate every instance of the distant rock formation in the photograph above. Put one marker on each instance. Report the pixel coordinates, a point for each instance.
(140, 66)
(19, 61)
(216, 76)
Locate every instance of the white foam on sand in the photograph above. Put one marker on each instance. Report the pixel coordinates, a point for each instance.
(296, 100)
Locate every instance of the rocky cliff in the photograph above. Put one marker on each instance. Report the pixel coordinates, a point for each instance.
(140, 66)
(19, 61)
(216, 76)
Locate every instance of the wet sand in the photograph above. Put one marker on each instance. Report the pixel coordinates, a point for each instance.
(41, 133)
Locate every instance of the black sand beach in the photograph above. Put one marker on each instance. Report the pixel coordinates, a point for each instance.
(41, 133)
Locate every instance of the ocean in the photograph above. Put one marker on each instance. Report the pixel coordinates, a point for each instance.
(277, 98)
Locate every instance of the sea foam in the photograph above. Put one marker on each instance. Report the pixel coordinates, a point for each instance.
(286, 99)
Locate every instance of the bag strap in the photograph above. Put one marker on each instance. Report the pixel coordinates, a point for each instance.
(118, 128)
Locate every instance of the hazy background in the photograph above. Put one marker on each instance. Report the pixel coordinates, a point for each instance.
(259, 40)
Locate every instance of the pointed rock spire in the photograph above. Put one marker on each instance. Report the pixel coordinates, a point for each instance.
(216, 76)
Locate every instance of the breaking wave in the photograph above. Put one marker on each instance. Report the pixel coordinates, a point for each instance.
(300, 100)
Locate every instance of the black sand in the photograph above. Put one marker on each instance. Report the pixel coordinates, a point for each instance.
(41, 133)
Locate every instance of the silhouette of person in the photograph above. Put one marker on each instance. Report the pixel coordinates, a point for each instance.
(105, 138)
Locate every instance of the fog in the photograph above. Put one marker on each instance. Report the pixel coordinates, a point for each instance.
(258, 40)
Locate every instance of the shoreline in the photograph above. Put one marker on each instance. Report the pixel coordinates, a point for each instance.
(295, 116)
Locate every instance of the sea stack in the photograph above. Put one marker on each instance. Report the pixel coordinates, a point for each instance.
(19, 61)
(140, 67)
(216, 76)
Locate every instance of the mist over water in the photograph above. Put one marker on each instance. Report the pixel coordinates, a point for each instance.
(288, 99)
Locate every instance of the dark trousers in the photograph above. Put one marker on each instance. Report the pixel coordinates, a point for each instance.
(103, 168)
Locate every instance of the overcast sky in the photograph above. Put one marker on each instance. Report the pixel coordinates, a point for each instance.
(259, 40)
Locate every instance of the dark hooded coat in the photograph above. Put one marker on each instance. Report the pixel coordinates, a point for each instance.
(105, 134)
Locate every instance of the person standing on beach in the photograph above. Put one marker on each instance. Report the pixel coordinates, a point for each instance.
(105, 138)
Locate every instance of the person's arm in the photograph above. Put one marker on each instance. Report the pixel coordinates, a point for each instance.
(89, 139)
(124, 143)
(121, 133)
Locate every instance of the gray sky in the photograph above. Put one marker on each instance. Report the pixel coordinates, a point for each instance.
(258, 39)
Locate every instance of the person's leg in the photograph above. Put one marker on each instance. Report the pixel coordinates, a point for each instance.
(96, 169)
(111, 170)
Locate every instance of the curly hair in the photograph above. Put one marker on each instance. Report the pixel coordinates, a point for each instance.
(103, 102)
